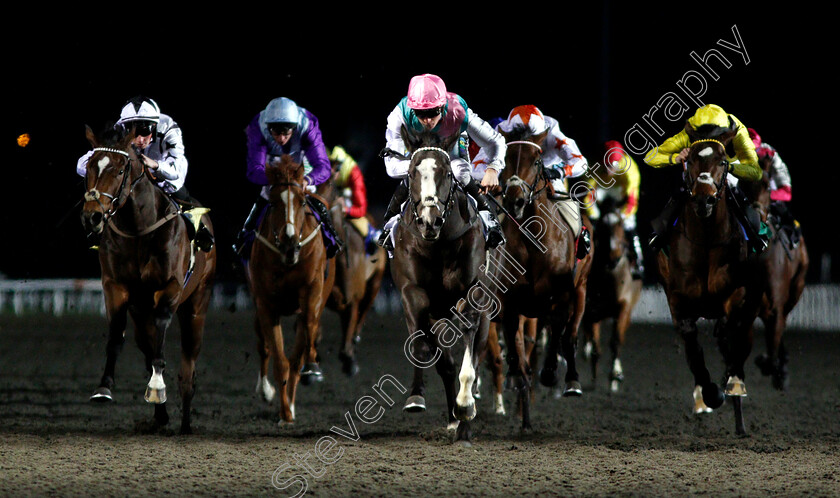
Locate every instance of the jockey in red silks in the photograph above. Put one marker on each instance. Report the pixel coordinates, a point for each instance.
(350, 182)
(284, 128)
(780, 184)
(429, 106)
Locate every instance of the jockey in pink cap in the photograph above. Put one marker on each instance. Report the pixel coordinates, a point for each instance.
(780, 184)
(428, 106)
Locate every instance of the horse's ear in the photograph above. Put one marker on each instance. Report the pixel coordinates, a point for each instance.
(127, 139)
(411, 142)
(728, 136)
(91, 137)
(450, 141)
(689, 130)
(540, 138)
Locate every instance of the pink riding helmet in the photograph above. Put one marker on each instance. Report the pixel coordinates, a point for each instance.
(426, 91)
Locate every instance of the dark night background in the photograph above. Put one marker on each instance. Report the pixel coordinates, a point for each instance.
(598, 70)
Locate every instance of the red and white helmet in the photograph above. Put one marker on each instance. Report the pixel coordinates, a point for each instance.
(525, 116)
(426, 91)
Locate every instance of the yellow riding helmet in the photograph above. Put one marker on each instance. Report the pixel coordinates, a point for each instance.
(338, 154)
(709, 114)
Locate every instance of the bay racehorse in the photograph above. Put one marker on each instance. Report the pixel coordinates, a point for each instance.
(150, 269)
(288, 274)
(785, 263)
(612, 292)
(358, 278)
(707, 271)
(542, 242)
(439, 268)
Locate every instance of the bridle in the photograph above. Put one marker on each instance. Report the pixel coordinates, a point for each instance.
(94, 195)
(689, 182)
(530, 191)
(301, 241)
(446, 207)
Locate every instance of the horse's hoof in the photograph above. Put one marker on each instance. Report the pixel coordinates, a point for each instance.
(452, 426)
(415, 404)
(155, 396)
(763, 363)
(349, 365)
(310, 374)
(463, 443)
(615, 385)
(699, 405)
(713, 395)
(101, 395)
(573, 389)
(186, 430)
(735, 387)
(549, 378)
(781, 381)
(464, 413)
(500, 405)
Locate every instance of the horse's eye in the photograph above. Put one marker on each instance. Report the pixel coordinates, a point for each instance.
(724, 162)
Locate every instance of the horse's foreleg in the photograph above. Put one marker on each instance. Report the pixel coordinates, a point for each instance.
(265, 349)
(116, 304)
(417, 348)
(349, 327)
(712, 395)
(271, 333)
(445, 367)
(495, 364)
(191, 317)
(622, 323)
(308, 327)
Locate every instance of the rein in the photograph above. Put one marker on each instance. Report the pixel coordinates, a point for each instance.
(301, 241)
(447, 204)
(719, 187)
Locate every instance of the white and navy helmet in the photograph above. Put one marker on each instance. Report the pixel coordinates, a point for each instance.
(139, 110)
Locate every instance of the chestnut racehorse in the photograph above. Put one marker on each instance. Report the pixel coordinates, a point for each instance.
(149, 269)
(288, 274)
(708, 272)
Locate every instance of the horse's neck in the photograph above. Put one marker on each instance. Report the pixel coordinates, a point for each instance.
(143, 206)
(716, 228)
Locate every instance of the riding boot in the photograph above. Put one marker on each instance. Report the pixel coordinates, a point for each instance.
(250, 225)
(495, 237)
(782, 212)
(749, 219)
(662, 224)
(636, 256)
(371, 239)
(326, 222)
(394, 208)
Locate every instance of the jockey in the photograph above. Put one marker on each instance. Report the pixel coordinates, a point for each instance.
(623, 169)
(780, 183)
(284, 128)
(160, 146)
(560, 154)
(428, 106)
(350, 181)
(712, 121)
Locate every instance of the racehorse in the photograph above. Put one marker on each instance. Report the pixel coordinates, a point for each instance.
(149, 269)
(437, 268)
(358, 278)
(612, 293)
(289, 274)
(785, 267)
(551, 285)
(707, 272)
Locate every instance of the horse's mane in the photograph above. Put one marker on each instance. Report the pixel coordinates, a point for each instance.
(110, 135)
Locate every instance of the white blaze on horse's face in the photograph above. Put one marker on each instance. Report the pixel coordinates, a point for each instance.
(102, 164)
(287, 198)
(708, 151)
(428, 189)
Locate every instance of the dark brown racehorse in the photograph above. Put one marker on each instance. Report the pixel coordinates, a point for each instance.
(289, 274)
(149, 269)
(707, 272)
(785, 267)
(550, 283)
(612, 293)
(437, 267)
(358, 278)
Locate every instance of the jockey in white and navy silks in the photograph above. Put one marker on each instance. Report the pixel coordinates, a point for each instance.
(160, 146)
(560, 154)
(285, 128)
(165, 147)
(428, 106)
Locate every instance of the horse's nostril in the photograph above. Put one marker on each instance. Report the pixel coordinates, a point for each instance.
(438, 222)
(519, 202)
(710, 201)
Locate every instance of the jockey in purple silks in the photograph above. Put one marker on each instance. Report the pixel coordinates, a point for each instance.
(284, 128)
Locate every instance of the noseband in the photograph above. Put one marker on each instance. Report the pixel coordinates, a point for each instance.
(94, 194)
(689, 182)
(301, 241)
(530, 191)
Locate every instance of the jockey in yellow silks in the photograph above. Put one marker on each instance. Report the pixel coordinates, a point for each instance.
(711, 121)
(623, 169)
(350, 182)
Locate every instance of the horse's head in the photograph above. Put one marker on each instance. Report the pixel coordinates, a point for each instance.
(523, 169)
(107, 182)
(610, 238)
(758, 192)
(430, 180)
(287, 214)
(706, 170)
